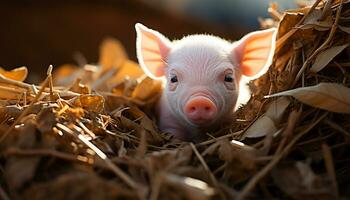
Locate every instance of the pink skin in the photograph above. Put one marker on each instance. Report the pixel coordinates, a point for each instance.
(202, 75)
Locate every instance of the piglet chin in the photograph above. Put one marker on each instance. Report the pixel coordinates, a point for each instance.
(200, 110)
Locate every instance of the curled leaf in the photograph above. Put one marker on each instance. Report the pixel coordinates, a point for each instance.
(146, 89)
(94, 103)
(18, 74)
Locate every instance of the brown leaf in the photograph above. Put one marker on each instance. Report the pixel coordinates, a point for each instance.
(326, 56)
(19, 170)
(46, 120)
(133, 118)
(329, 96)
(313, 21)
(146, 89)
(266, 124)
(300, 182)
(92, 102)
(91, 186)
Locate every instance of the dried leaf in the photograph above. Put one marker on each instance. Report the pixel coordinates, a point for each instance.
(129, 69)
(147, 89)
(18, 74)
(112, 54)
(266, 124)
(326, 56)
(300, 182)
(313, 21)
(65, 187)
(277, 108)
(66, 74)
(46, 120)
(93, 103)
(80, 88)
(329, 96)
(261, 127)
(19, 170)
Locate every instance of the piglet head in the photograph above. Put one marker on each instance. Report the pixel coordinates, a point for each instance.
(203, 72)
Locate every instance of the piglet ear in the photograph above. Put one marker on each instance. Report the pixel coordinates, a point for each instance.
(254, 52)
(152, 50)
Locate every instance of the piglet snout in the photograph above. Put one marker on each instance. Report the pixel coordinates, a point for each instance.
(200, 110)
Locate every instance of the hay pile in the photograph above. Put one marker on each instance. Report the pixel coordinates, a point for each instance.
(94, 136)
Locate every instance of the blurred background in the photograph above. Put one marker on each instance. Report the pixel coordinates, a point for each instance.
(39, 33)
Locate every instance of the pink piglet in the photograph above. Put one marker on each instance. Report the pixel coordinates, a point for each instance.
(203, 74)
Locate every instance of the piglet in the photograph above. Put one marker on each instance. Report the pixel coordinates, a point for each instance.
(203, 74)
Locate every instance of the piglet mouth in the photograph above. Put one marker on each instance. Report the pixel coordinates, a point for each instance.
(200, 110)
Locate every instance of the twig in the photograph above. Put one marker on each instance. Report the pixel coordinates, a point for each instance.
(275, 14)
(49, 76)
(201, 160)
(156, 185)
(261, 174)
(338, 128)
(288, 131)
(3, 194)
(103, 79)
(101, 155)
(45, 152)
(6, 80)
(219, 138)
(25, 111)
(319, 49)
(328, 159)
(326, 10)
(206, 168)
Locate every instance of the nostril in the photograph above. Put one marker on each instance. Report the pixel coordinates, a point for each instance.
(192, 109)
(207, 108)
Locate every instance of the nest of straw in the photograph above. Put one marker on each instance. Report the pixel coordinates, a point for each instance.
(88, 131)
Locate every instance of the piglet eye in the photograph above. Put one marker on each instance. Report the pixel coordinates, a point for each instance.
(173, 79)
(229, 78)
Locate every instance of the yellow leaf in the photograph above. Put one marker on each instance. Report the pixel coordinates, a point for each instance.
(18, 74)
(328, 96)
(66, 74)
(147, 88)
(128, 69)
(80, 88)
(94, 103)
(112, 54)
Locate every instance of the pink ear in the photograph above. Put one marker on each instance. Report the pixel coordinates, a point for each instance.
(254, 52)
(152, 51)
